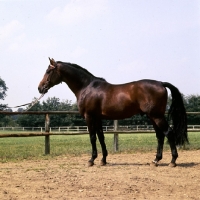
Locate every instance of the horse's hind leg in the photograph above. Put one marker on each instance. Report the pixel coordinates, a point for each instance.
(102, 141)
(168, 132)
(171, 138)
(160, 138)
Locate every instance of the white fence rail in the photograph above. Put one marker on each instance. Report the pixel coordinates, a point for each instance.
(85, 128)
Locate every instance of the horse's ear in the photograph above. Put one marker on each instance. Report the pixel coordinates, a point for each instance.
(52, 62)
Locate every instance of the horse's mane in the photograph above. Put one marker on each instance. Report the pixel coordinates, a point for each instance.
(81, 69)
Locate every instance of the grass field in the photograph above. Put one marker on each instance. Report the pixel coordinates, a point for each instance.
(13, 149)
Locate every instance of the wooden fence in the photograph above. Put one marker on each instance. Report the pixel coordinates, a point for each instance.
(48, 133)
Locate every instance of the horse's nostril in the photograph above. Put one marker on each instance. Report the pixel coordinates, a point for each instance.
(39, 89)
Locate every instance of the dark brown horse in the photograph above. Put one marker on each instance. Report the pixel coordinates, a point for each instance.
(97, 99)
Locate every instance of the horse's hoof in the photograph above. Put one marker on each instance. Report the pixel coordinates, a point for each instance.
(154, 164)
(90, 163)
(172, 164)
(102, 163)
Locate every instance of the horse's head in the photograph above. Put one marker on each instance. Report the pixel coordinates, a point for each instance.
(51, 77)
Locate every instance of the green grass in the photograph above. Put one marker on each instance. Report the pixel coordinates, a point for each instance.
(13, 149)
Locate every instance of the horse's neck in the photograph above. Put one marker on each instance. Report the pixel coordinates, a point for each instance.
(75, 80)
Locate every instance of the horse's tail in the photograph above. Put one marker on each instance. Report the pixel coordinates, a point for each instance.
(178, 115)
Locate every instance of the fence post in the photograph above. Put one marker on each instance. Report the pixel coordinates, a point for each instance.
(47, 137)
(116, 146)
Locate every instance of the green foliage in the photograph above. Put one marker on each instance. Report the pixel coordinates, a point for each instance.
(52, 104)
(3, 90)
(192, 104)
(135, 120)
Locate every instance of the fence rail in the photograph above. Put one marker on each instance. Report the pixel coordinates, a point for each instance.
(48, 131)
(133, 128)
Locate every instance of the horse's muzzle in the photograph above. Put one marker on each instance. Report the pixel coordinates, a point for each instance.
(43, 89)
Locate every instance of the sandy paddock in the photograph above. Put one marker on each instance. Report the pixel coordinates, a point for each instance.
(127, 176)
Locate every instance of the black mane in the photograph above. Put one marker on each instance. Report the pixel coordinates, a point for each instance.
(81, 69)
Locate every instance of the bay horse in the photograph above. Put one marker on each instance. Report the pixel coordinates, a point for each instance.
(97, 99)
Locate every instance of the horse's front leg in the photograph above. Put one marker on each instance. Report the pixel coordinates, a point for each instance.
(92, 131)
(94, 149)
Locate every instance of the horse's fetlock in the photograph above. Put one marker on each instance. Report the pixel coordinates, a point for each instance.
(94, 156)
(105, 153)
(158, 157)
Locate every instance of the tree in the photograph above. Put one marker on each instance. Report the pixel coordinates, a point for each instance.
(3, 90)
(31, 120)
(52, 104)
(192, 104)
(3, 119)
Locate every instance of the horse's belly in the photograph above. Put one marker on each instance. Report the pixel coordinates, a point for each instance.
(119, 112)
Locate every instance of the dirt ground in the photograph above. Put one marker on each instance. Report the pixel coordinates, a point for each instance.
(127, 176)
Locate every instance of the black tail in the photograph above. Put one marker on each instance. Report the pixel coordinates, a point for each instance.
(178, 115)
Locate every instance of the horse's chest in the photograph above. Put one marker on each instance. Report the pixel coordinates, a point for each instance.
(89, 102)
